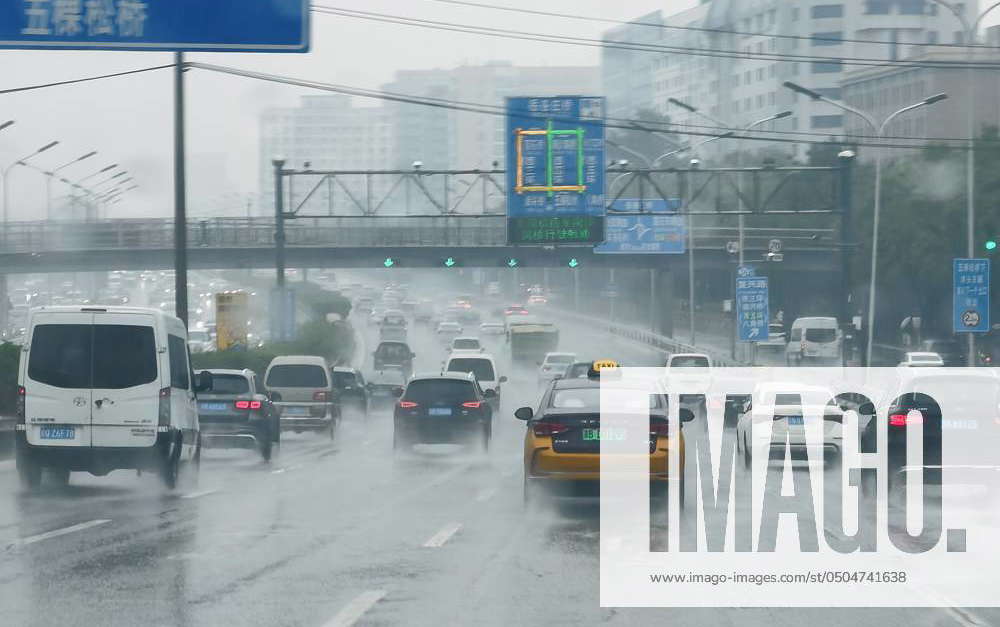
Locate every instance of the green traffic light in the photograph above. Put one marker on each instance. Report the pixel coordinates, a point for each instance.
(449, 262)
(389, 262)
(991, 244)
(573, 263)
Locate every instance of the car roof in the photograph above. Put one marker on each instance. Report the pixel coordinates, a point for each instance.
(465, 337)
(455, 376)
(285, 360)
(470, 354)
(822, 321)
(690, 355)
(112, 309)
(575, 384)
(345, 369)
(230, 371)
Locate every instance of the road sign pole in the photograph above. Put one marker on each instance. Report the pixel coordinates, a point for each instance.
(846, 248)
(180, 197)
(279, 222)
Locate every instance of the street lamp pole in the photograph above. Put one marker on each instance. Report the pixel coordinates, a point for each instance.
(879, 130)
(971, 39)
(49, 175)
(6, 171)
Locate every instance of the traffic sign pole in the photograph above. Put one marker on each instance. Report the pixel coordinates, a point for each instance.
(180, 195)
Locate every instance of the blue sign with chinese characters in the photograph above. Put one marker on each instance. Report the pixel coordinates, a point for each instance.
(555, 170)
(971, 300)
(752, 311)
(180, 25)
(650, 205)
(637, 234)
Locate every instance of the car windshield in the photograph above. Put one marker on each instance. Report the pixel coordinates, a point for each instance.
(481, 368)
(689, 361)
(297, 376)
(393, 352)
(589, 400)
(820, 336)
(465, 344)
(343, 379)
(440, 392)
(92, 356)
(230, 384)
(560, 359)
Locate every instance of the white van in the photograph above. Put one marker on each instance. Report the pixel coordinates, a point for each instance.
(106, 388)
(815, 340)
(483, 367)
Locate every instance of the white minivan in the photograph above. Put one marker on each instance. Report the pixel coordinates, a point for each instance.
(484, 367)
(816, 340)
(106, 388)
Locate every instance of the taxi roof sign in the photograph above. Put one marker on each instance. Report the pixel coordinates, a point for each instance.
(601, 364)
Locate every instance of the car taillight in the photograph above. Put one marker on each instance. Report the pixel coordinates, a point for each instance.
(549, 428)
(407, 404)
(19, 404)
(248, 404)
(321, 396)
(659, 428)
(473, 404)
(901, 420)
(164, 414)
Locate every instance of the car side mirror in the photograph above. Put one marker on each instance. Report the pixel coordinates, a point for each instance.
(524, 413)
(203, 381)
(538, 363)
(866, 409)
(397, 391)
(503, 379)
(686, 415)
(412, 355)
(274, 396)
(490, 393)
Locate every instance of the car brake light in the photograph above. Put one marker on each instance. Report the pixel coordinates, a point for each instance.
(659, 428)
(407, 404)
(164, 414)
(549, 428)
(320, 396)
(473, 404)
(248, 404)
(901, 420)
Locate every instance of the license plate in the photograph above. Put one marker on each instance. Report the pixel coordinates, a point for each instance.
(58, 433)
(608, 435)
(439, 411)
(213, 406)
(295, 411)
(795, 420)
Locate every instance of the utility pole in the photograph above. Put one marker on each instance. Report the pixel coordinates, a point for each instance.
(279, 222)
(846, 243)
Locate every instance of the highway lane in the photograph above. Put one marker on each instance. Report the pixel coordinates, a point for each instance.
(335, 532)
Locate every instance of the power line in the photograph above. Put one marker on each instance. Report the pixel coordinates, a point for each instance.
(83, 80)
(497, 112)
(712, 31)
(644, 47)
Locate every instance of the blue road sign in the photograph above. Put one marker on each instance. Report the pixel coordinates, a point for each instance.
(971, 299)
(282, 314)
(651, 205)
(555, 170)
(752, 312)
(643, 234)
(745, 271)
(182, 25)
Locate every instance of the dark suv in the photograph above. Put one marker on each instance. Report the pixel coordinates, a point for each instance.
(349, 386)
(442, 408)
(237, 414)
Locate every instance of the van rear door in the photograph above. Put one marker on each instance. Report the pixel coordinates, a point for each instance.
(126, 375)
(57, 380)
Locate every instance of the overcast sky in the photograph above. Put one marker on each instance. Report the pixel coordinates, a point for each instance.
(129, 120)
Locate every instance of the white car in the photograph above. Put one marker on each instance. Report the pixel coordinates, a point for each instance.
(106, 388)
(554, 365)
(922, 360)
(814, 340)
(689, 360)
(448, 330)
(466, 344)
(483, 366)
(785, 407)
(492, 328)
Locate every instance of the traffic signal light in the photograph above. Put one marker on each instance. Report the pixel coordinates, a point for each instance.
(512, 262)
(389, 262)
(991, 245)
(573, 263)
(449, 262)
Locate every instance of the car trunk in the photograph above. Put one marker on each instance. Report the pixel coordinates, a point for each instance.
(582, 433)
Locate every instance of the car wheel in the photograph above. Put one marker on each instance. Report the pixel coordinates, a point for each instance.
(747, 460)
(530, 495)
(59, 476)
(484, 445)
(29, 471)
(266, 446)
(170, 467)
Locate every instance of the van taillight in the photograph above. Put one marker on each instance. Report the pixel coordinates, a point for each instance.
(321, 396)
(247, 404)
(164, 417)
(407, 404)
(19, 404)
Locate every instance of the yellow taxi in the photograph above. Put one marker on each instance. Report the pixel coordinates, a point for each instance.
(563, 438)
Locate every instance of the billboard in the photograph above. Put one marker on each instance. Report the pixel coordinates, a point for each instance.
(232, 311)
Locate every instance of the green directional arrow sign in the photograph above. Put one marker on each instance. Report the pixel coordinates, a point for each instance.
(389, 262)
(449, 262)
(573, 263)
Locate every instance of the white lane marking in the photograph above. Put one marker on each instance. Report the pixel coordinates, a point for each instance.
(60, 532)
(438, 539)
(353, 611)
(966, 618)
(278, 471)
(198, 495)
(486, 495)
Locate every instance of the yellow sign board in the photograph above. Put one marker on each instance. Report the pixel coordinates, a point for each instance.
(232, 311)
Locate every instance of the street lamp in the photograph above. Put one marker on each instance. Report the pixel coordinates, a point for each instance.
(50, 174)
(971, 38)
(879, 130)
(6, 171)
